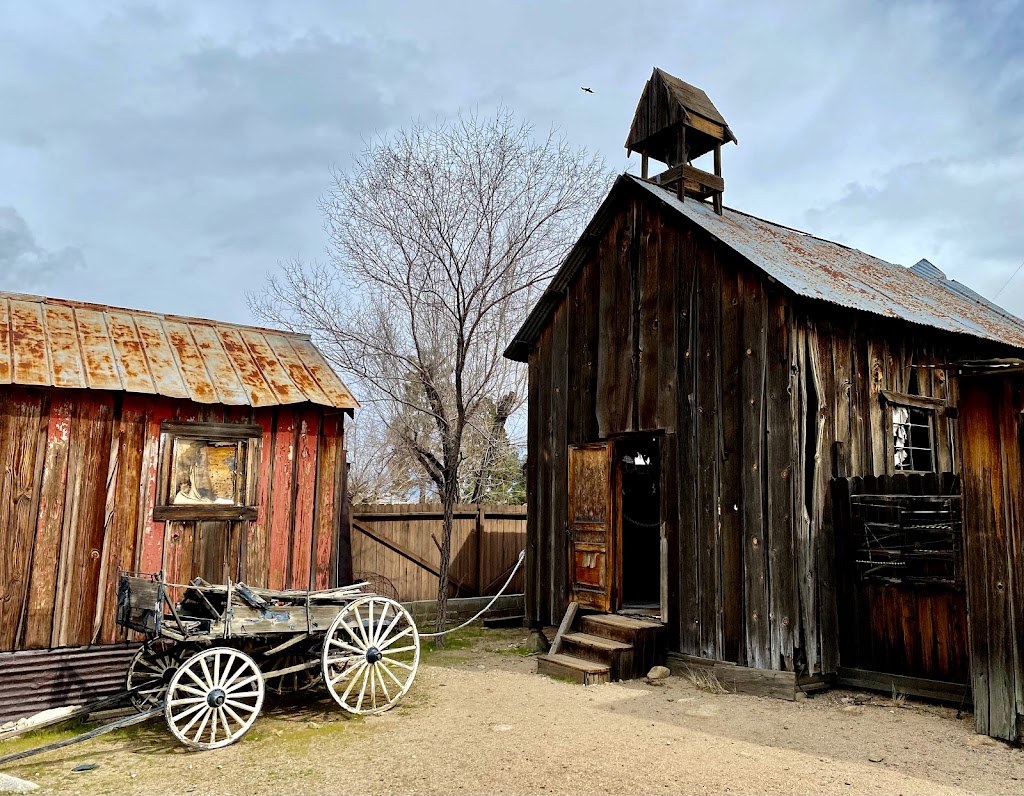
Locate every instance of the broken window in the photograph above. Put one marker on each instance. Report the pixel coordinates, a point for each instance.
(912, 438)
(207, 471)
(910, 426)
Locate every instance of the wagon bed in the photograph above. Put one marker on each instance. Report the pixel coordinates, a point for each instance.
(212, 651)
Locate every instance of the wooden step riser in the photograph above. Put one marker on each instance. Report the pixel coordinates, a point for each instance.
(557, 670)
(619, 661)
(646, 644)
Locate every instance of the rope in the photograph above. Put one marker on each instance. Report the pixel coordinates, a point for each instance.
(519, 563)
(639, 524)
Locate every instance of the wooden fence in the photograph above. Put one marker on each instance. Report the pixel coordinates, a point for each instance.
(400, 544)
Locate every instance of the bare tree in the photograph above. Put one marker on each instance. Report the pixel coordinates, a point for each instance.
(440, 239)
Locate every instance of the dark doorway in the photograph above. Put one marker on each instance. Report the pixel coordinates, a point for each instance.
(639, 478)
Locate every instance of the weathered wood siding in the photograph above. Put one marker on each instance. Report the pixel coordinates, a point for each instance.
(760, 398)
(77, 486)
(992, 413)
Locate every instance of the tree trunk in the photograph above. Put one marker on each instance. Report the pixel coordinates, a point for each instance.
(448, 498)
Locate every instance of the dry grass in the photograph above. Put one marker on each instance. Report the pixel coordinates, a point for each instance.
(899, 698)
(704, 680)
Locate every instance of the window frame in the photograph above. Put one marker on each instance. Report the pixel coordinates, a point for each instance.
(934, 407)
(172, 431)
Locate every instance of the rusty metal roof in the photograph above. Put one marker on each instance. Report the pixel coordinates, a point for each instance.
(47, 342)
(809, 266)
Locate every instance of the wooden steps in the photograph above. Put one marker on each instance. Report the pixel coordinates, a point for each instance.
(602, 648)
(567, 667)
(616, 654)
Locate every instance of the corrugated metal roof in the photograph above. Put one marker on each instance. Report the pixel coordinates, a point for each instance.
(820, 269)
(811, 267)
(47, 342)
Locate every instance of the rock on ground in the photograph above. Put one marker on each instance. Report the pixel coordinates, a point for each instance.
(658, 673)
(9, 784)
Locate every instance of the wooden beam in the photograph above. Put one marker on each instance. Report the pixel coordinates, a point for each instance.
(680, 187)
(644, 165)
(692, 174)
(706, 126)
(410, 556)
(718, 174)
(567, 620)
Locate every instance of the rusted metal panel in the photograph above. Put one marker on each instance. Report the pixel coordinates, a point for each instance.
(296, 370)
(190, 361)
(5, 343)
(229, 387)
(65, 355)
(256, 386)
(31, 356)
(162, 366)
(97, 351)
(333, 387)
(130, 353)
(827, 271)
(56, 343)
(35, 680)
(270, 366)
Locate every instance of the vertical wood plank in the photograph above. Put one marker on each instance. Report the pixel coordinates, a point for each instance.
(558, 443)
(282, 502)
(686, 448)
(648, 276)
(150, 546)
(709, 305)
(668, 357)
(123, 511)
(20, 424)
(820, 356)
(780, 488)
(95, 427)
(301, 568)
(754, 434)
(43, 577)
(731, 467)
(326, 502)
(876, 418)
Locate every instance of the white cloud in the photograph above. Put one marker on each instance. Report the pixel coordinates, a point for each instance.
(25, 266)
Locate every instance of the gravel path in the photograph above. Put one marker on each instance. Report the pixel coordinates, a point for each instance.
(479, 721)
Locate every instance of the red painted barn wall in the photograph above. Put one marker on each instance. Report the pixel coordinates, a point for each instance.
(78, 475)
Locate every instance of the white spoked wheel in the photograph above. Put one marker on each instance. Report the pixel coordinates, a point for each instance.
(153, 666)
(214, 698)
(371, 654)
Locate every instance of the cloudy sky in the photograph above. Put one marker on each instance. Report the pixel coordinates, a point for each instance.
(168, 155)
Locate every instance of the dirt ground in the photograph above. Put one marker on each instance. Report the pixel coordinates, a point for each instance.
(478, 720)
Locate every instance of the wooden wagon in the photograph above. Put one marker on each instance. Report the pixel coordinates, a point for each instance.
(213, 651)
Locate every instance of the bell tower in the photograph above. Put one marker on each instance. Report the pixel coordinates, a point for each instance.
(676, 123)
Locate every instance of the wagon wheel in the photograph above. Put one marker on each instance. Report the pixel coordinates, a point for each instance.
(213, 698)
(293, 682)
(159, 659)
(370, 655)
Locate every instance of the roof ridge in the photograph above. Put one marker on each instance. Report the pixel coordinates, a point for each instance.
(89, 305)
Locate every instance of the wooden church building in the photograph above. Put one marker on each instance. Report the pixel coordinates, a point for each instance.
(135, 441)
(747, 437)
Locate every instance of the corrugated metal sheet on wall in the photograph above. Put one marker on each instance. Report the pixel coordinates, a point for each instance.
(36, 680)
(48, 342)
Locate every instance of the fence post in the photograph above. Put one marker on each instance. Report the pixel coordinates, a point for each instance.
(480, 518)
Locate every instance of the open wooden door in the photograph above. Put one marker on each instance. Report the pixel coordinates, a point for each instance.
(591, 525)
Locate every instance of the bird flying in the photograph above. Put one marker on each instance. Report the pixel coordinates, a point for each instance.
(588, 89)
